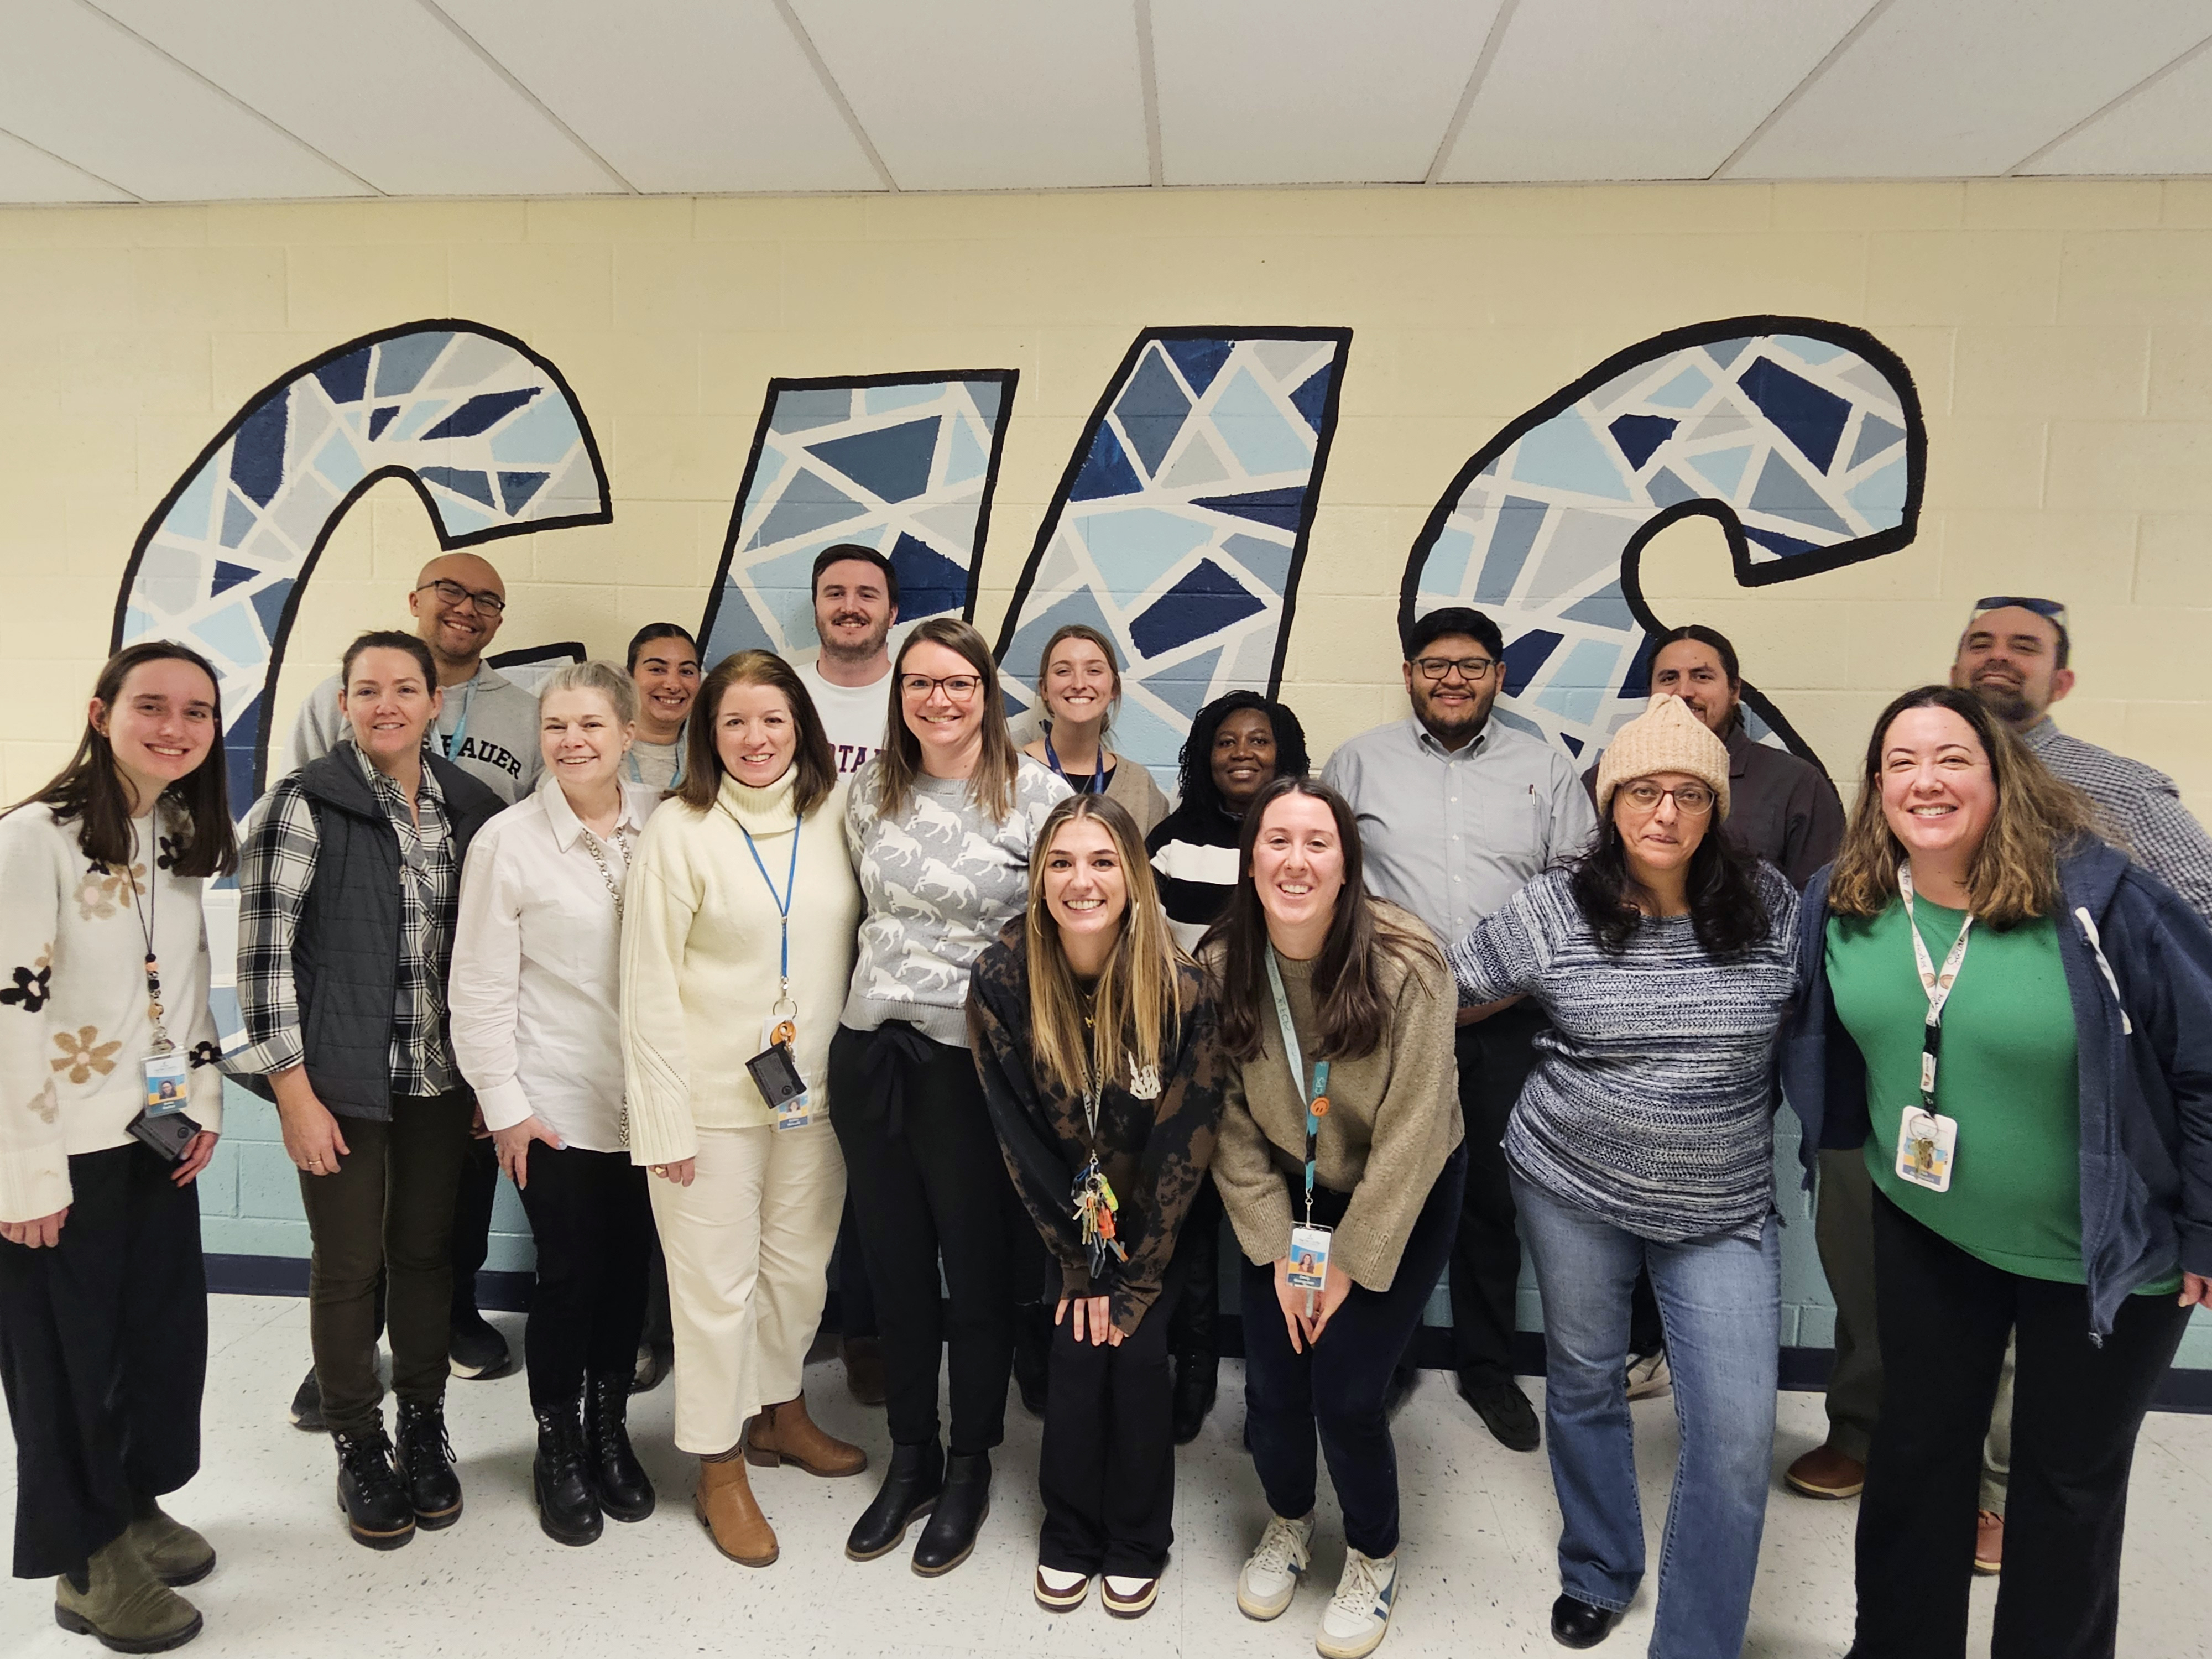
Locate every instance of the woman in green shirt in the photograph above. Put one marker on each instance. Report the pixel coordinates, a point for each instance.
(2016, 1024)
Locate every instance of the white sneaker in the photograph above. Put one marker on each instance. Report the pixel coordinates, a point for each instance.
(1648, 1375)
(1058, 1591)
(1357, 1617)
(1271, 1574)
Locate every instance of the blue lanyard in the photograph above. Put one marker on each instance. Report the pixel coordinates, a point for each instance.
(461, 730)
(783, 899)
(1098, 776)
(637, 777)
(1316, 1098)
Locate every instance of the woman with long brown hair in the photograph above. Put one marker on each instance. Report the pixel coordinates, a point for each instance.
(737, 945)
(1340, 1165)
(940, 825)
(2015, 1023)
(1079, 684)
(1094, 1037)
(107, 1054)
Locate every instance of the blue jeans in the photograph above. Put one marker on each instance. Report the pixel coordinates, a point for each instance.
(1720, 1301)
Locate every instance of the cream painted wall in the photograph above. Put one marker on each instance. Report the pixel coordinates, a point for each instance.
(2060, 333)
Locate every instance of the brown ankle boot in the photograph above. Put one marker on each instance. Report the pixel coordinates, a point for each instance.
(123, 1604)
(783, 1433)
(727, 1509)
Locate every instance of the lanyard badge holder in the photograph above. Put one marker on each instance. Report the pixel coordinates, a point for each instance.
(1927, 1140)
(775, 1071)
(162, 1125)
(1097, 1209)
(1308, 1244)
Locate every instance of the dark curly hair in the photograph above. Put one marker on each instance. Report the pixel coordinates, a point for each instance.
(1727, 908)
(1196, 761)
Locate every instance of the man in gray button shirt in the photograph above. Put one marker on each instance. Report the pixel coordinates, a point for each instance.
(1455, 813)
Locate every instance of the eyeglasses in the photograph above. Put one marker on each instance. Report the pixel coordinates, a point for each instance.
(1693, 801)
(487, 603)
(958, 687)
(1436, 669)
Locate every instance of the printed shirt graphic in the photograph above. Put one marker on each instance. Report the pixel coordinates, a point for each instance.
(853, 715)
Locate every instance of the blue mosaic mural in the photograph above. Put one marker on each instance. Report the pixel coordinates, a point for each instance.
(1181, 525)
(1802, 439)
(486, 431)
(904, 464)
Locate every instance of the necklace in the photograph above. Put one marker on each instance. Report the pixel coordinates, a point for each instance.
(592, 845)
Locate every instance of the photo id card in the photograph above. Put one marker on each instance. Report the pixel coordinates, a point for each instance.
(1926, 1142)
(1308, 1258)
(166, 1087)
(775, 1074)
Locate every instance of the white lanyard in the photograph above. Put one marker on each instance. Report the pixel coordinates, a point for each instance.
(1937, 985)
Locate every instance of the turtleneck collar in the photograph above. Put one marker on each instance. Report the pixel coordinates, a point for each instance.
(764, 811)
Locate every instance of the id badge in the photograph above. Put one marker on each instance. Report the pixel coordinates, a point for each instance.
(1926, 1142)
(166, 1087)
(776, 1074)
(1308, 1258)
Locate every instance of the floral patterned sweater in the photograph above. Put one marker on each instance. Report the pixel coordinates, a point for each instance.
(75, 1024)
(1155, 1150)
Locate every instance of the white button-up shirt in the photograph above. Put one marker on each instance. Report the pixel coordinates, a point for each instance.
(536, 955)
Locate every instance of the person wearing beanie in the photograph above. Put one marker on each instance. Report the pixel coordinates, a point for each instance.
(1456, 811)
(1643, 1139)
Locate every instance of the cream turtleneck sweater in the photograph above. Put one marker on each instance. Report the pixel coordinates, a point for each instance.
(702, 942)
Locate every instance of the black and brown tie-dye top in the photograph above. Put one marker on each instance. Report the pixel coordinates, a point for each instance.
(1155, 1152)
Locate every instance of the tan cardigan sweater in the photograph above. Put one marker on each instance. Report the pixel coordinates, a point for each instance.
(1394, 1118)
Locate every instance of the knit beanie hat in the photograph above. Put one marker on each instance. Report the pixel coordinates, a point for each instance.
(1665, 738)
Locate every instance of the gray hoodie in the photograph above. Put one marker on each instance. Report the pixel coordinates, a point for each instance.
(489, 728)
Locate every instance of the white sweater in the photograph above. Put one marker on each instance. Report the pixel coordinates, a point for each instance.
(75, 1028)
(701, 951)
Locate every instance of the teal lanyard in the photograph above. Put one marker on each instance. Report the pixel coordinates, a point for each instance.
(1316, 1098)
(637, 777)
(783, 899)
(460, 737)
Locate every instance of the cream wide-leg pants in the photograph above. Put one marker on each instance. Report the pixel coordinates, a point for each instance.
(747, 1246)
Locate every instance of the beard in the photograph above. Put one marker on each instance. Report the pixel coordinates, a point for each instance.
(2008, 703)
(871, 646)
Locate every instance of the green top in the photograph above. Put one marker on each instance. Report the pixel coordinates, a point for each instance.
(2007, 1076)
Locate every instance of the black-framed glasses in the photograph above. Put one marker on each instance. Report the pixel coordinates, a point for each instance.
(487, 603)
(1691, 800)
(958, 687)
(1437, 669)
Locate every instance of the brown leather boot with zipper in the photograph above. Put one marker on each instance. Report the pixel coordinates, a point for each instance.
(726, 1508)
(783, 1433)
(123, 1604)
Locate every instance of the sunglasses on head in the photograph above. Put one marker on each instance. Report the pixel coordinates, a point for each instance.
(2049, 609)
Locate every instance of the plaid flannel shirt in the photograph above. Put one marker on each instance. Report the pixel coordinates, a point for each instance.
(276, 866)
(2142, 803)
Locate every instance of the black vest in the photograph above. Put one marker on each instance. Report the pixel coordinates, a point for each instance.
(345, 952)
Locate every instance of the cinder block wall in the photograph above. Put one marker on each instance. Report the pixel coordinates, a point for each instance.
(2060, 335)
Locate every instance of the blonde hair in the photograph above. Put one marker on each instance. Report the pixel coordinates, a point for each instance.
(603, 678)
(899, 762)
(1137, 1012)
(2015, 874)
(1084, 631)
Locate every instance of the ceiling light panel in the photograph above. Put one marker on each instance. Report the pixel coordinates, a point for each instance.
(2165, 128)
(1965, 89)
(990, 95)
(382, 87)
(1585, 89)
(1288, 92)
(74, 84)
(678, 95)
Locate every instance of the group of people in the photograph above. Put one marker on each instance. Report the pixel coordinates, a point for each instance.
(771, 975)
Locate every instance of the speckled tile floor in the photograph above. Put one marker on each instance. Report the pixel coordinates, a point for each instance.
(1480, 1527)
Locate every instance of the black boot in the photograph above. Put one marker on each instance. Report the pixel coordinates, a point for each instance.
(1197, 1378)
(566, 1508)
(377, 1512)
(946, 1542)
(910, 1486)
(425, 1457)
(618, 1481)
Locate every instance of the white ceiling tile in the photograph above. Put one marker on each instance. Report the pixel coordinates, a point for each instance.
(28, 173)
(1584, 89)
(678, 94)
(1280, 92)
(990, 95)
(2163, 129)
(380, 87)
(74, 84)
(1965, 88)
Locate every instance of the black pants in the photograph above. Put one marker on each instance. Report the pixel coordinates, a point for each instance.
(856, 1301)
(1495, 1055)
(472, 1207)
(1192, 1329)
(388, 1210)
(2077, 1410)
(103, 1353)
(593, 1227)
(927, 1178)
(1339, 1384)
(1106, 1468)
